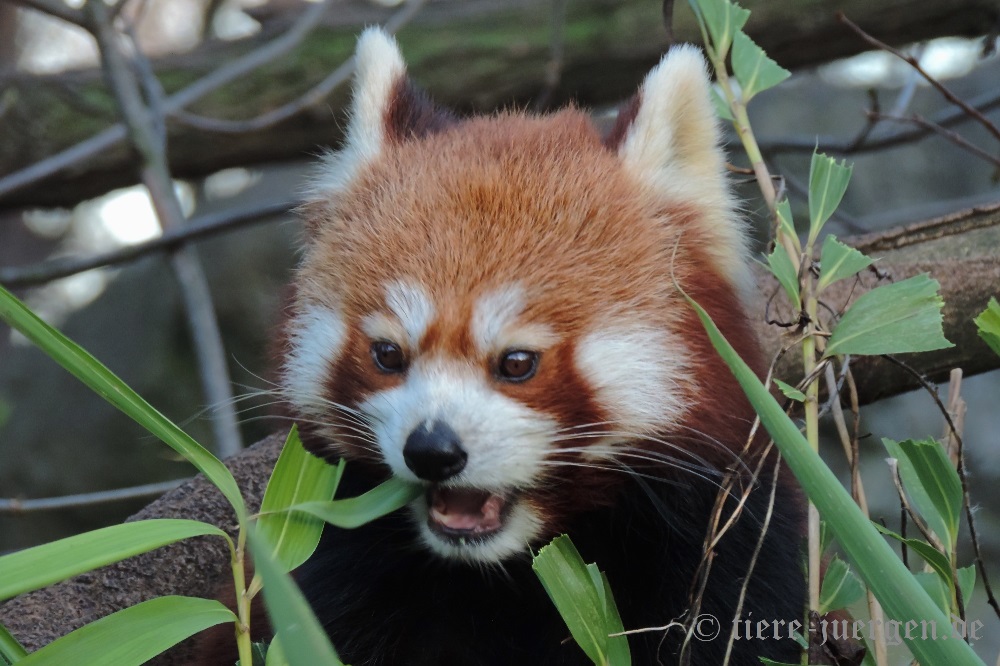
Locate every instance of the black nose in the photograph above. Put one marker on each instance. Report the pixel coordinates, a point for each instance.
(434, 452)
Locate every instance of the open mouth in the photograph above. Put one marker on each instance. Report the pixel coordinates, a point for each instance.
(461, 514)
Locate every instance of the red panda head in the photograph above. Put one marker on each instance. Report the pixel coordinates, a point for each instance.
(490, 306)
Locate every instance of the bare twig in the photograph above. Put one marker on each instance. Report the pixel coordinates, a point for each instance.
(829, 145)
(554, 67)
(311, 98)
(948, 134)
(962, 475)
(18, 506)
(145, 129)
(200, 228)
(956, 408)
(753, 558)
(211, 82)
(55, 8)
(969, 110)
(668, 21)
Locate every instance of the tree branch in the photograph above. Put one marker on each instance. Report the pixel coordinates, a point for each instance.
(145, 124)
(607, 48)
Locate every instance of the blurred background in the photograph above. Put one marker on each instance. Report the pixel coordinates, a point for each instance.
(80, 240)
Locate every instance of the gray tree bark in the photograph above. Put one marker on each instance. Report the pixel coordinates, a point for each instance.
(470, 54)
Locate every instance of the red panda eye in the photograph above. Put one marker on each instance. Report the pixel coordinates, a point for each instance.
(518, 365)
(388, 356)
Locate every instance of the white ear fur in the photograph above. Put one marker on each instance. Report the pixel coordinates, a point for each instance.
(673, 145)
(378, 68)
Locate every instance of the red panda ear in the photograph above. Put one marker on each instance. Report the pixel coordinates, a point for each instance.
(385, 108)
(668, 137)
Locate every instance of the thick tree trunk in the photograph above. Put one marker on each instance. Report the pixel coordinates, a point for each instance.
(471, 54)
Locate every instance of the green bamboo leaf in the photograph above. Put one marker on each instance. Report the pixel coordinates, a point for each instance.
(276, 654)
(619, 653)
(967, 581)
(783, 269)
(988, 324)
(940, 591)
(303, 642)
(298, 477)
(581, 594)
(134, 635)
(106, 384)
(936, 589)
(722, 109)
(258, 654)
(10, 650)
(34, 568)
(722, 19)
(932, 483)
(892, 319)
(353, 512)
(827, 184)
(928, 553)
(786, 223)
(838, 261)
(790, 391)
(753, 69)
(841, 587)
(900, 594)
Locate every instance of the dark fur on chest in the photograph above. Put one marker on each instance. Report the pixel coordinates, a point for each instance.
(386, 601)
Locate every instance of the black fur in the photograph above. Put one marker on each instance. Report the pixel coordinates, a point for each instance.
(385, 600)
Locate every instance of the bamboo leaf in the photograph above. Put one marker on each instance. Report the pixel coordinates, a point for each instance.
(940, 591)
(790, 391)
(276, 654)
(783, 269)
(303, 642)
(936, 588)
(34, 568)
(106, 384)
(10, 650)
(722, 19)
(722, 109)
(298, 477)
(353, 512)
(827, 184)
(619, 653)
(841, 587)
(988, 324)
(900, 594)
(838, 261)
(932, 483)
(937, 560)
(892, 319)
(786, 223)
(754, 70)
(134, 635)
(581, 594)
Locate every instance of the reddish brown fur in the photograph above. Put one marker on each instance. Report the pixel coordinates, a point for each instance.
(592, 247)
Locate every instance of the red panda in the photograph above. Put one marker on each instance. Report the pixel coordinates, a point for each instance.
(490, 307)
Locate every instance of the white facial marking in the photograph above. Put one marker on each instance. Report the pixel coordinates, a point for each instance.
(412, 307)
(494, 323)
(317, 337)
(506, 443)
(638, 374)
(378, 326)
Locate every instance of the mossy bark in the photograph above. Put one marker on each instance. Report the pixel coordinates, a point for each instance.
(470, 54)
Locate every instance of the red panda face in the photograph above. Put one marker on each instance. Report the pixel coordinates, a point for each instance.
(489, 307)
